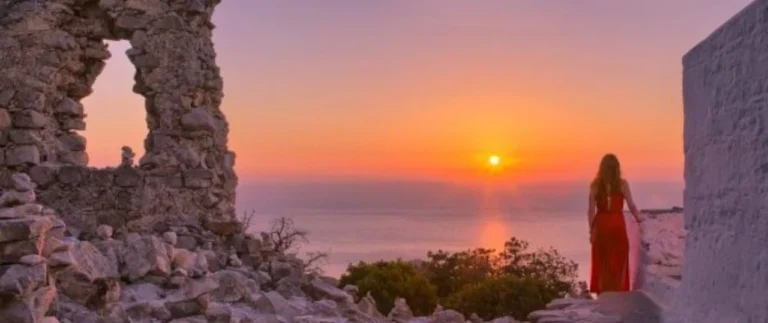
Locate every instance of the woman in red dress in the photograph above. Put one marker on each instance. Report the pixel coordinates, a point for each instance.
(607, 230)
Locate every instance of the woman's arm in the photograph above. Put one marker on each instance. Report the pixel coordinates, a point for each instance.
(630, 201)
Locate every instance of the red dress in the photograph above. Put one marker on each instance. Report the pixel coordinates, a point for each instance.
(610, 248)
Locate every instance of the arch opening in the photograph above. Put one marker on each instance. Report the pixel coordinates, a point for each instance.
(115, 114)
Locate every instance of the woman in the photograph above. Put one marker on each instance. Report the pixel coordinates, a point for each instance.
(607, 232)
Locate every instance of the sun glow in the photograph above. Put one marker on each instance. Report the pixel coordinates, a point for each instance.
(494, 160)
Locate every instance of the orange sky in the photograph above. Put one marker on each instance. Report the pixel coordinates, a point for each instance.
(430, 89)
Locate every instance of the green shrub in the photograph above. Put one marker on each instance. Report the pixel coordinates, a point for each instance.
(549, 266)
(502, 296)
(386, 280)
(450, 272)
(513, 282)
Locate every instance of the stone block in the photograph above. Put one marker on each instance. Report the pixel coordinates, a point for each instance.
(5, 119)
(11, 252)
(30, 119)
(43, 175)
(70, 107)
(127, 177)
(23, 228)
(24, 136)
(72, 123)
(21, 280)
(73, 141)
(198, 178)
(72, 175)
(21, 155)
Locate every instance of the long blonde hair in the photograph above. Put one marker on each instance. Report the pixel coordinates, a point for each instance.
(608, 179)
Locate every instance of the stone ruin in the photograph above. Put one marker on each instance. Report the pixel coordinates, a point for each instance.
(725, 85)
(153, 242)
(52, 52)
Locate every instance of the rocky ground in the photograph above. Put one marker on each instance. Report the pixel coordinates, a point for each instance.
(187, 274)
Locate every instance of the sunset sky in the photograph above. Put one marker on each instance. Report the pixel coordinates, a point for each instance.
(430, 89)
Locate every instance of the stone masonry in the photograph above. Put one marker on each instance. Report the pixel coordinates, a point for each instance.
(725, 85)
(52, 52)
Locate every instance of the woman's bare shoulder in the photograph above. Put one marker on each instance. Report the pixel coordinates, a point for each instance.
(624, 183)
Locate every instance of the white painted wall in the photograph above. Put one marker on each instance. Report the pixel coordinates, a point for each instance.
(725, 85)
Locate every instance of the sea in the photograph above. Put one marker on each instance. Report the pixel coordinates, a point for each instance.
(366, 220)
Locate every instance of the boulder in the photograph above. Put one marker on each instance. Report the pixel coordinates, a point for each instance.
(274, 303)
(141, 292)
(143, 256)
(21, 280)
(88, 276)
(194, 288)
(233, 286)
(13, 251)
(320, 289)
(400, 313)
(446, 316)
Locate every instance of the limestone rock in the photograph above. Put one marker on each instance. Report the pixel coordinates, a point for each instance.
(25, 228)
(274, 303)
(21, 155)
(145, 255)
(126, 157)
(43, 175)
(105, 232)
(446, 316)
(233, 286)
(5, 119)
(22, 182)
(29, 119)
(20, 280)
(190, 262)
(88, 276)
(198, 119)
(20, 211)
(224, 227)
(11, 198)
(70, 107)
(31, 260)
(320, 289)
(400, 313)
(193, 289)
(367, 305)
(73, 141)
(13, 251)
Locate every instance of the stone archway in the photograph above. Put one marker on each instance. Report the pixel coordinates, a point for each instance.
(53, 51)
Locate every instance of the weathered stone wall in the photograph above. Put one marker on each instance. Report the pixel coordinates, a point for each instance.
(662, 241)
(52, 52)
(725, 81)
(127, 198)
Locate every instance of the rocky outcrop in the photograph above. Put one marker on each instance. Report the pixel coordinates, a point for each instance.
(662, 239)
(48, 275)
(26, 285)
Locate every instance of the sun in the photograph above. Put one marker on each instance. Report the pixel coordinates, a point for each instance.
(494, 160)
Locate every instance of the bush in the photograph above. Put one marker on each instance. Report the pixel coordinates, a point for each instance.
(387, 280)
(556, 271)
(513, 282)
(450, 272)
(501, 296)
